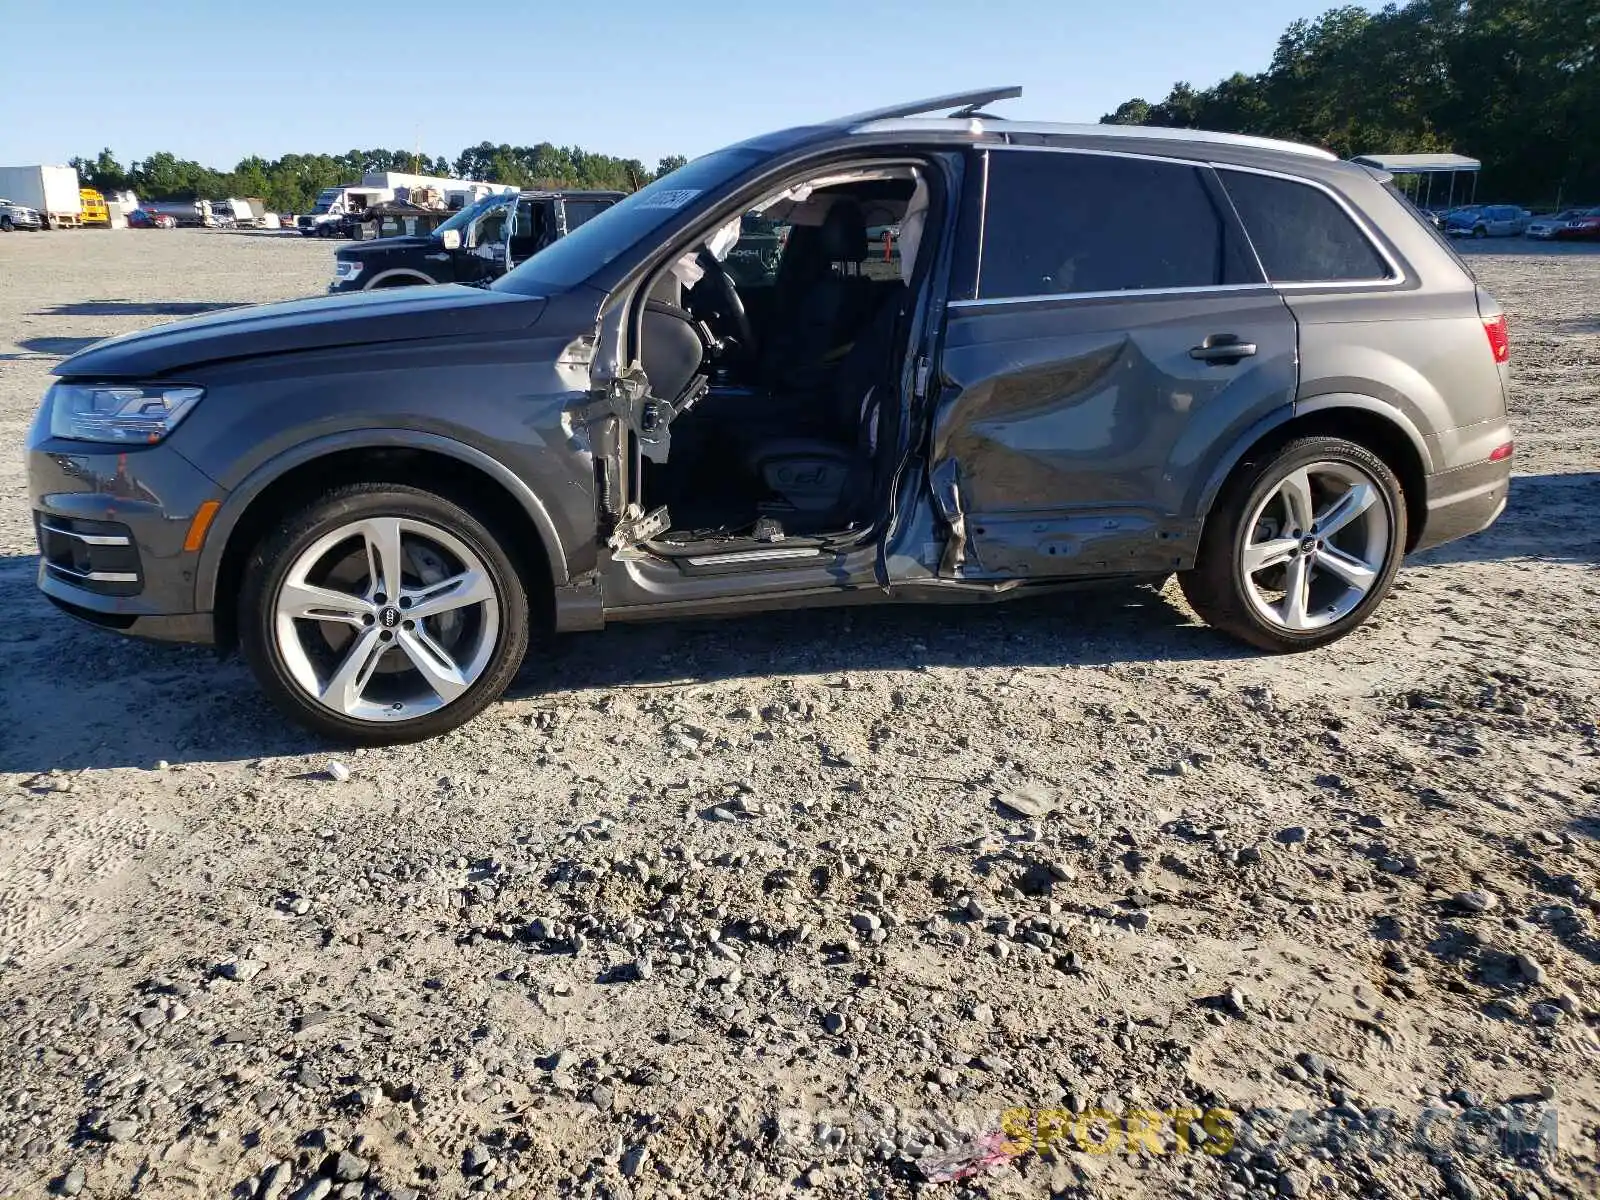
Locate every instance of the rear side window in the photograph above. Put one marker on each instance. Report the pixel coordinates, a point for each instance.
(1300, 233)
(1062, 223)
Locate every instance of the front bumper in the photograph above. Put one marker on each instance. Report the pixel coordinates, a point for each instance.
(111, 526)
(24, 219)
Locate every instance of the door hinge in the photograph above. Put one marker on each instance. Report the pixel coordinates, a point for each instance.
(627, 397)
(638, 526)
(919, 385)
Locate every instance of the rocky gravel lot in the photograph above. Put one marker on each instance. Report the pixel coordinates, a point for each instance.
(1066, 898)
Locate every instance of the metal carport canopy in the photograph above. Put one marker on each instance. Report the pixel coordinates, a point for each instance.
(1419, 164)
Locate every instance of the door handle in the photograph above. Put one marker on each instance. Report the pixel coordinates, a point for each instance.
(1222, 348)
(440, 257)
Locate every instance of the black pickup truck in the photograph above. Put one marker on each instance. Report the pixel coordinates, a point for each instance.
(477, 245)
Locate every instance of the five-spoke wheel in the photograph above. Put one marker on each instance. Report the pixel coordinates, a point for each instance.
(1302, 545)
(383, 613)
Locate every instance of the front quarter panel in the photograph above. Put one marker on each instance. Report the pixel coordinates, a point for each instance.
(500, 399)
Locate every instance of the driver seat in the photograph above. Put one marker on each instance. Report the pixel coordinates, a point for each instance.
(820, 298)
(824, 476)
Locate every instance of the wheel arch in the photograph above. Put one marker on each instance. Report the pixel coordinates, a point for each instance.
(453, 469)
(398, 277)
(1380, 427)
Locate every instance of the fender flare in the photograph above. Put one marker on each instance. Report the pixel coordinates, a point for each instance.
(1201, 500)
(239, 499)
(394, 272)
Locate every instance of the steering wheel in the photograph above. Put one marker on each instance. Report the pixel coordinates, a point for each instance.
(731, 306)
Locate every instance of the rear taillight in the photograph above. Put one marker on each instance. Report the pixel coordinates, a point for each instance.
(1498, 454)
(1499, 339)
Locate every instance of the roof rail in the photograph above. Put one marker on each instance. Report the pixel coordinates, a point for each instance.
(973, 126)
(964, 102)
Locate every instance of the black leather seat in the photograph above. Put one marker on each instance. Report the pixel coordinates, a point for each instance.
(820, 298)
(828, 473)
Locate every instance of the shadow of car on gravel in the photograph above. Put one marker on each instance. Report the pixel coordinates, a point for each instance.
(139, 308)
(56, 347)
(89, 700)
(191, 707)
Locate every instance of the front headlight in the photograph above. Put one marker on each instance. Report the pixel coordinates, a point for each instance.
(142, 414)
(345, 270)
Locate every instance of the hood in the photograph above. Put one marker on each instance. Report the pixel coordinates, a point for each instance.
(384, 247)
(360, 318)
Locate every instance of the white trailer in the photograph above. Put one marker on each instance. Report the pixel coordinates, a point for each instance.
(477, 189)
(52, 191)
(334, 204)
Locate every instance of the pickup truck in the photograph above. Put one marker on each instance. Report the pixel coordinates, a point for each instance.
(476, 246)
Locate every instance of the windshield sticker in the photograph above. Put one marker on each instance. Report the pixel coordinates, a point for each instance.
(671, 198)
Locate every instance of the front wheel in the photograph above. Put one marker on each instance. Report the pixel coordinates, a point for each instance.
(1302, 546)
(1480, 232)
(382, 613)
(6, 225)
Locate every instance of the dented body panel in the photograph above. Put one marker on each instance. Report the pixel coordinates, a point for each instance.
(1068, 430)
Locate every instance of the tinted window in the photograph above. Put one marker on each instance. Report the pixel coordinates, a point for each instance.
(1060, 223)
(580, 211)
(1300, 232)
(1417, 215)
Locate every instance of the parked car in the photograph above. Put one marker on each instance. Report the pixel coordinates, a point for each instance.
(1585, 227)
(1489, 220)
(1084, 368)
(1545, 227)
(19, 216)
(476, 245)
(142, 218)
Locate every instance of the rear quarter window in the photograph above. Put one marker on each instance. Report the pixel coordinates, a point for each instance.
(1301, 234)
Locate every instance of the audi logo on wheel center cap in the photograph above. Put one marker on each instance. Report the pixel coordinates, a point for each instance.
(1307, 545)
(389, 617)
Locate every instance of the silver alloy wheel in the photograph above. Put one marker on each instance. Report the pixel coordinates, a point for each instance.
(1315, 546)
(386, 619)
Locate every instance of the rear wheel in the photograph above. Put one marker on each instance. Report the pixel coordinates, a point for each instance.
(6, 225)
(382, 613)
(1303, 545)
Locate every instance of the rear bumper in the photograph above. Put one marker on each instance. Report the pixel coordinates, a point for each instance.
(1464, 501)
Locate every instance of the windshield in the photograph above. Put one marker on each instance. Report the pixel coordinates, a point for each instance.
(468, 215)
(625, 224)
(325, 200)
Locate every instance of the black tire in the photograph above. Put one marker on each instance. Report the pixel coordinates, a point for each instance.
(1216, 587)
(271, 560)
(6, 225)
(1480, 232)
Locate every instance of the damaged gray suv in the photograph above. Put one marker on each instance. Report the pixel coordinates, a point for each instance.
(890, 357)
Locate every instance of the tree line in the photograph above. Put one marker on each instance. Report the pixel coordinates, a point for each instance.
(1514, 83)
(291, 183)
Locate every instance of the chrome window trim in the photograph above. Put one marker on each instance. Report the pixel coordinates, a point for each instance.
(1135, 293)
(88, 539)
(1397, 274)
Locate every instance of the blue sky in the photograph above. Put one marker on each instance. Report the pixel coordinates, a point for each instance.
(638, 78)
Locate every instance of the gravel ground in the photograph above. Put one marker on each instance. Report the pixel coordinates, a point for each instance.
(850, 902)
